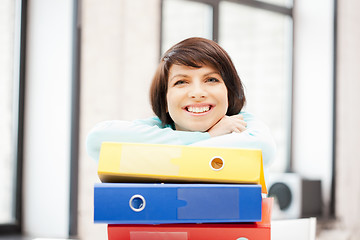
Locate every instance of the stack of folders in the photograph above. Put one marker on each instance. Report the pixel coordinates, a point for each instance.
(153, 191)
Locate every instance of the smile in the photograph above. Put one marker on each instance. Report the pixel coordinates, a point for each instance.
(197, 109)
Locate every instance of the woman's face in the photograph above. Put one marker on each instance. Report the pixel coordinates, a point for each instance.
(196, 98)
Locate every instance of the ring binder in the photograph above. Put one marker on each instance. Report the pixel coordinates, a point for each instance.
(148, 203)
(138, 162)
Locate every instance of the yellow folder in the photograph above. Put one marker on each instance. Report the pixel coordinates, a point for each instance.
(138, 162)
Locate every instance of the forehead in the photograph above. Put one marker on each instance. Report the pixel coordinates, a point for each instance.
(176, 69)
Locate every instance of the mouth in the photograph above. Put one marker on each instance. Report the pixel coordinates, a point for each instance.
(198, 109)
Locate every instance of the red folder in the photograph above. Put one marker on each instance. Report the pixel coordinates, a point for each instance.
(223, 231)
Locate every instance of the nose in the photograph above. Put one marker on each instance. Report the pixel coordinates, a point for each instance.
(197, 91)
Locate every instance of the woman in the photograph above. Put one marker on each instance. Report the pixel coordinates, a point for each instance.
(197, 97)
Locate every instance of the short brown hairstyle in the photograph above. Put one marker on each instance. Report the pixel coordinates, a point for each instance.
(196, 52)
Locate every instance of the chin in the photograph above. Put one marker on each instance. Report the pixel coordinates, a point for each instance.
(198, 129)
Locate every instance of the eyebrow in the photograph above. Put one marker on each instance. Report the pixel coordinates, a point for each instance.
(215, 72)
(184, 75)
(179, 75)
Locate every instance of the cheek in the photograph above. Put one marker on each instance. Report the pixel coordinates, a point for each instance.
(170, 101)
(225, 105)
(173, 97)
(225, 99)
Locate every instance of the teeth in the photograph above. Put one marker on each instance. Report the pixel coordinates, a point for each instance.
(198, 109)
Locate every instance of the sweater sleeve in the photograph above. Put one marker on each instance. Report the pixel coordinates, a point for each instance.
(256, 136)
(138, 131)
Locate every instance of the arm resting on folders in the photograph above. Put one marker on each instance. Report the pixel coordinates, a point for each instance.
(257, 136)
(138, 131)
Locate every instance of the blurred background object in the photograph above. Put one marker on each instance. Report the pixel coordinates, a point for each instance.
(295, 197)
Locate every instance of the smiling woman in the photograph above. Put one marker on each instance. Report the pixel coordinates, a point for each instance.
(197, 97)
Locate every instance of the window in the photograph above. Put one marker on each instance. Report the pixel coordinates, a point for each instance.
(192, 20)
(11, 115)
(258, 37)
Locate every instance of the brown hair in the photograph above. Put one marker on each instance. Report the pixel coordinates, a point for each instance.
(195, 52)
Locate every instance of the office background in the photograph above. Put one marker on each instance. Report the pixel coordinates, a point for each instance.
(82, 62)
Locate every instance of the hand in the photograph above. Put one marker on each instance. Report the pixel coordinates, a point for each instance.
(228, 124)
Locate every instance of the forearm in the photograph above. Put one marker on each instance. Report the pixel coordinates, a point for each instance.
(135, 132)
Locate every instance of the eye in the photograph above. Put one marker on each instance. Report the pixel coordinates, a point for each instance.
(213, 80)
(179, 82)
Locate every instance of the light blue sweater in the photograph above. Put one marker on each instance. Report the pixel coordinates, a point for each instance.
(257, 136)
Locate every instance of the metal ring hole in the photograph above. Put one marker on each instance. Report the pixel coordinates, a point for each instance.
(217, 163)
(137, 203)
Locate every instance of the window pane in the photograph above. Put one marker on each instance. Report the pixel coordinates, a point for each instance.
(259, 43)
(8, 121)
(183, 19)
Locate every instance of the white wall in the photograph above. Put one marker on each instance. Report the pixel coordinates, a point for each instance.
(348, 118)
(313, 97)
(47, 118)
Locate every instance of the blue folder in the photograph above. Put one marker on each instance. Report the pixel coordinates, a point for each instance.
(149, 203)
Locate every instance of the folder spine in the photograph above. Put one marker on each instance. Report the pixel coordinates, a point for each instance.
(148, 203)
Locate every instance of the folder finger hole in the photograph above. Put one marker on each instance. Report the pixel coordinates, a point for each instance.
(137, 203)
(217, 163)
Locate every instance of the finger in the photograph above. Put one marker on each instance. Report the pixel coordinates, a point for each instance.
(238, 116)
(236, 130)
(240, 122)
(242, 128)
(243, 123)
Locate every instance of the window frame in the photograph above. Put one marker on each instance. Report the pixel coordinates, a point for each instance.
(16, 227)
(215, 6)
